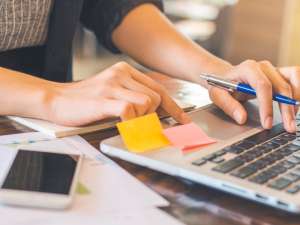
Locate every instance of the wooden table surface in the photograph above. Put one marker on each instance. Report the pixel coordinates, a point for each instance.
(190, 202)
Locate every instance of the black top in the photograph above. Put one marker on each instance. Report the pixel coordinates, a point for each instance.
(53, 61)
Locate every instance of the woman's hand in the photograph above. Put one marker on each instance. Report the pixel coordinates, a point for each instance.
(266, 80)
(120, 91)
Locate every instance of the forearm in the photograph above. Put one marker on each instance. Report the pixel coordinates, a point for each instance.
(24, 95)
(148, 36)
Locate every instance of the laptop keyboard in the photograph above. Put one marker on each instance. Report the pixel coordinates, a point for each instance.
(266, 158)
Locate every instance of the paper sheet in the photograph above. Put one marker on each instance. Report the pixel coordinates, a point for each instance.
(16, 140)
(110, 191)
(149, 216)
(143, 133)
(113, 197)
(187, 136)
(100, 170)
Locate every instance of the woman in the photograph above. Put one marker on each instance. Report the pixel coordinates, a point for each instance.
(36, 37)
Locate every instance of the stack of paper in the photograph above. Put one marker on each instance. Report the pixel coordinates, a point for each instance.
(55, 130)
(108, 194)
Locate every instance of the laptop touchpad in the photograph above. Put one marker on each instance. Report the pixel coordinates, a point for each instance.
(220, 126)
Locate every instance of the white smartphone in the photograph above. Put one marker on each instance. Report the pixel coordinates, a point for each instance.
(41, 179)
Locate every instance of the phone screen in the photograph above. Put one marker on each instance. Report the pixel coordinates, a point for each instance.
(41, 172)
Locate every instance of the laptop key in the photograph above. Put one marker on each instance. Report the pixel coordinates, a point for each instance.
(296, 171)
(246, 157)
(276, 155)
(271, 172)
(259, 149)
(244, 172)
(293, 190)
(279, 141)
(260, 164)
(280, 183)
(220, 153)
(266, 135)
(228, 166)
(270, 159)
(285, 152)
(293, 160)
(257, 152)
(244, 145)
(271, 145)
(199, 162)
(286, 164)
(292, 147)
(262, 177)
(234, 149)
(297, 155)
(218, 160)
(277, 169)
(265, 150)
(288, 136)
(292, 177)
(210, 157)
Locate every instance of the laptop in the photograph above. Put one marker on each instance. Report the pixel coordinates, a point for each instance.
(247, 161)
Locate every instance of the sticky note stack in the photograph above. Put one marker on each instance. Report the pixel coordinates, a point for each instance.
(146, 133)
(187, 136)
(143, 133)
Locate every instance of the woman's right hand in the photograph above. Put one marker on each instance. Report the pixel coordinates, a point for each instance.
(266, 80)
(119, 91)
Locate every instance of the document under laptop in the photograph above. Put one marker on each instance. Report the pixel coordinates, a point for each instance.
(58, 131)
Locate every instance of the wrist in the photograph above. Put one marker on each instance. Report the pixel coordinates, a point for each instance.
(211, 65)
(44, 98)
(49, 99)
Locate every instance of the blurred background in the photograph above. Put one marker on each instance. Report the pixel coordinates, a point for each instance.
(234, 30)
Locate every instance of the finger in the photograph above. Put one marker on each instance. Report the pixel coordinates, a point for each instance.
(117, 108)
(292, 76)
(135, 86)
(281, 86)
(251, 73)
(167, 103)
(141, 102)
(228, 104)
(296, 112)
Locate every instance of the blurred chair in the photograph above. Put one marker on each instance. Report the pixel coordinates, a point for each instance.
(251, 29)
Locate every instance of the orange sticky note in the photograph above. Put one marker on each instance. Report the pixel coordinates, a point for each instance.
(143, 133)
(187, 136)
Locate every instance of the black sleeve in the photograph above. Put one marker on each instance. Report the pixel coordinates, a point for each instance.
(103, 16)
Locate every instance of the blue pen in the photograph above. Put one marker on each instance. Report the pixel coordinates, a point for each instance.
(244, 88)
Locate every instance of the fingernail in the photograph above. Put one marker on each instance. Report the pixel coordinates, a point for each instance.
(268, 122)
(293, 125)
(185, 118)
(237, 116)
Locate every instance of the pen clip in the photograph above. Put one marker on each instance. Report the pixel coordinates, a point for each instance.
(221, 87)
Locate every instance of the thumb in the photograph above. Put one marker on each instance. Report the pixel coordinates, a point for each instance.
(228, 104)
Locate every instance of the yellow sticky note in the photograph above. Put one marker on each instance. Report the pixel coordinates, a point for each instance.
(143, 133)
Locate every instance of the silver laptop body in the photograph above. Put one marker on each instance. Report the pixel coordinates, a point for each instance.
(233, 177)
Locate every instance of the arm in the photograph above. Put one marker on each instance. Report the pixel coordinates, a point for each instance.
(24, 95)
(164, 49)
(119, 91)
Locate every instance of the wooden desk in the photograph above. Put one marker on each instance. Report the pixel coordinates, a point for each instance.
(191, 203)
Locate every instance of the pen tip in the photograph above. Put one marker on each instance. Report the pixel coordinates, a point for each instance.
(297, 103)
(203, 76)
